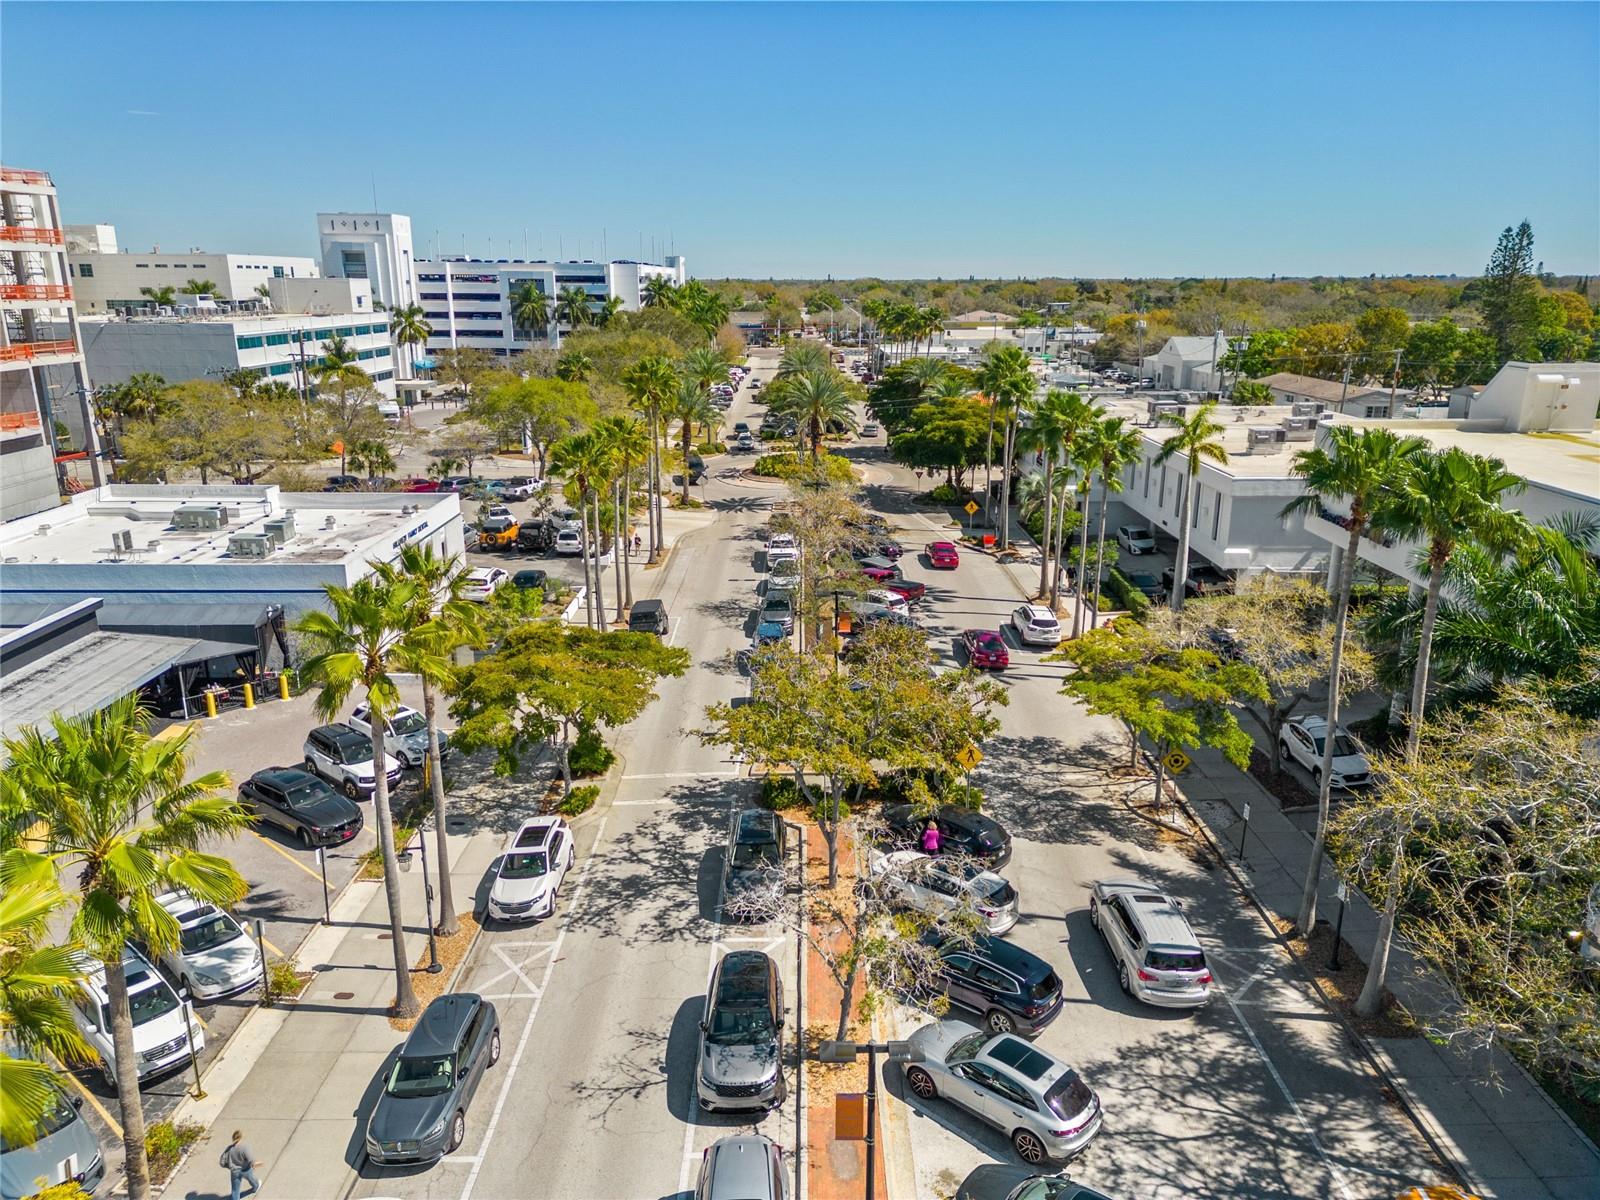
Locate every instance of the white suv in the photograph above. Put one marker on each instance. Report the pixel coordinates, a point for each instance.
(1302, 741)
(1036, 625)
(343, 757)
(159, 1018)
(1158, 959)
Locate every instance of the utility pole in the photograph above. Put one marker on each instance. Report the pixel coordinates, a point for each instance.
(1394, 386)
(1216, 339)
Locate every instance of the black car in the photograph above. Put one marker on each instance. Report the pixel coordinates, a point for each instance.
(1002, 1181)
(528, 580)
(753, 865)
(1148, 585)
(302, 805)
(421, 1114)
(343, 483)
(961, 831)
(1012, 990)
(1202, 580)
(538, 536)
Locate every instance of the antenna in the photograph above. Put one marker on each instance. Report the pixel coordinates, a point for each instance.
(374, 191)
(605, 255)
(524, 241)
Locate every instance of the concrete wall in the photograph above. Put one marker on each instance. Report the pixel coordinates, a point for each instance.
(321, 296)
(103, 280)
(1531, 397)
(27, 483)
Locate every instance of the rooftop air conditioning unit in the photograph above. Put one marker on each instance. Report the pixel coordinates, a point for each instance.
(249, 545)
(206, 517)
(327, 521)
(280, 529)
(1308, 408)
(1264, 439)
(1299, 429)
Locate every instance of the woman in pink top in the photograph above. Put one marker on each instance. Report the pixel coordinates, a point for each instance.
(930, 838)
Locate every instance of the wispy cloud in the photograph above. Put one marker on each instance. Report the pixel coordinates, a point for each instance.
(141, 112)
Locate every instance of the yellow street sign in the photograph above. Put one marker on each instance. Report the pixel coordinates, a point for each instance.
(969, 757)
(1176, 761)
(972, 507)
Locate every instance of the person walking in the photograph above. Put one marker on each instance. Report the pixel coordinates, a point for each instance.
(240, 1164)
(930, 837)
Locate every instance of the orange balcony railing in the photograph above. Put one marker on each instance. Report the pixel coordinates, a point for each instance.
(21, 351)
(17, 175)
(35, 291)
(26, 233)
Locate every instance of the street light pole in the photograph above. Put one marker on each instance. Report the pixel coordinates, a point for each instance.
(843, 1052)
(434, 965)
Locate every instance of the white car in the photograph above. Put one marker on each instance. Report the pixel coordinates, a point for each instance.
(893, 601)
(163, 1025)
(781, 546)
(1036, 625)
(406, 734)
(870, 429)
(569, 541)
(940, 885)
(1135, 539)
(520, 487)
(482, 583)
(785, 572)
(535, 861)
(214, 956)
(1303, 742)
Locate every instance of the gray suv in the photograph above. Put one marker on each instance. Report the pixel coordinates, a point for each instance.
(743, 1167)
(740, 1061)
(421, 1114)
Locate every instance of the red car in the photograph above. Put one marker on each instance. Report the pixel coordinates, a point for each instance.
(419, 485)
(879, 570)
(909, 588)
(943, 554)
(986, 648)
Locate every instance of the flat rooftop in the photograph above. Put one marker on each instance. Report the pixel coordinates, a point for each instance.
(1235, 437)
(329, 527)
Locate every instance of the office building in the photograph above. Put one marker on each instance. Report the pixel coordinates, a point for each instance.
(91, 239)
(46, 423)
(114, 282)
(371, 246)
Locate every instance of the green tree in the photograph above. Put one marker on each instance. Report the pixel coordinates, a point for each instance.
(410, 328)
(206, 427)
(572, 306)
(650, 385)
(817, 400)
(462, 366)
(658, 291)
(530, 312)
(1383, 331)
(609, 307)
(1261, 353)
(584, 460)
(1007, 381)
(1508, 293)
(160, 297)
(337, 355)
(1115, 448)
(355, 646)
(199, 287)
(1197, 439)
(1250, 392)
(1059, 420)
(534, 412)
(371, 456)
(114, 812)
(575, 366)
(629, 442)
(691, 406)
(943, 435)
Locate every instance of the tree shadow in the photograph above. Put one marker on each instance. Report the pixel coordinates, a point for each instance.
(1039, 792)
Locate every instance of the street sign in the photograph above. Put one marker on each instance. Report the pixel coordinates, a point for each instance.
(969, 757)
(972, 507)
(1176, 761)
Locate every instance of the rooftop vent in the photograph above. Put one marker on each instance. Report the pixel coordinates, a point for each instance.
(249, 545)
(327, 521)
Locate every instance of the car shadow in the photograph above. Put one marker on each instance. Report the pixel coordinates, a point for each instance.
(355, 1149)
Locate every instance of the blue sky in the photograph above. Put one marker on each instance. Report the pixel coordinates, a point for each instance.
(844, 139)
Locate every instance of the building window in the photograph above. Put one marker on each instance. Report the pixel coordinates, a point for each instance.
(86, 270)
(1148, 468)
(1161, 496)
(433, 296)
(277, 339)
(282, 368)
(1374, 411)
(249, 343)
(346, 331)
(1216, 517)
(142, 266)
(490, 297)
(355, 264)
(161, 265)
(364, 354)
(431, 279)
(277, 272)
(1199, 503)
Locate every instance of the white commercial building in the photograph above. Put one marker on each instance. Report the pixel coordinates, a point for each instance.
(1185, 363)
(112, 282)
(91, 239)
(371, 246)
(468, 301)
(285, 347)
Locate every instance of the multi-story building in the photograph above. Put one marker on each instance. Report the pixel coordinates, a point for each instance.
(91, 239)
(46, 420)
(113, 282)
(371, 246)
(468, 301)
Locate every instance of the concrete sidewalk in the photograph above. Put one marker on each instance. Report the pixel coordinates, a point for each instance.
(1510, 1138)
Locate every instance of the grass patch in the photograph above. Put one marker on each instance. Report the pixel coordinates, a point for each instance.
(165, 1143)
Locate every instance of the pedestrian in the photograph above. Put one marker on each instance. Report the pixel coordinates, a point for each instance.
(240, 1164)
(636, 543)
(930, 837)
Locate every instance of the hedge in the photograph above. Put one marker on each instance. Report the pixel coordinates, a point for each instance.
(1126, 596)
(789, 465)
(589, 754)
(581, 800)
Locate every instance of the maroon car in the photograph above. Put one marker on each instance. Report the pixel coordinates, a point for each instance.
(986, 649)
(943, 555)
(909, 588)
(879, 570)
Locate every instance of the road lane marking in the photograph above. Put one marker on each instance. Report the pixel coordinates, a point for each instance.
(676, 775)
(533, 1012)
(94, 1102)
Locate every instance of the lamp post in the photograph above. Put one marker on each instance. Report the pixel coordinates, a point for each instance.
(1338, 928)
(434, 965)
(844, 1052)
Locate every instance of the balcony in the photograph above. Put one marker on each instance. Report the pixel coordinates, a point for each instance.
(35, 291)
(17, 175)
(31, 236)
(30, 351)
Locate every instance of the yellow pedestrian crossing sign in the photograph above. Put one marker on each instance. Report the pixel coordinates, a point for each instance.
(969, 757)
(972, 507)
(1176, 761)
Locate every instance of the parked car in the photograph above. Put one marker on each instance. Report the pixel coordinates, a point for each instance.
(162, 1023)
(214, 956)
(498, 532)
(960, 829)
(784, 573)
(865, 614)
(1147, 585)
(1002, 1181)
(64, 1148)
(879, 546)
(567, 518)
(421, 1113)
(1302, 740)
(777, 607)
(986, 649)
(1012, 990)
(941, 885)
(754, 857)
(517, 487)
(418, 485)
(1036, 625)
(740, 1064)
(1135, 539)
(528, 580)
(301, 804)
(768, 633)
(870, 429)
(911, 589)
(943, 555)
(1157, 957)
(482, 583)
(343, 483)
(743, 1166)
(893, 601)
(1203, 579)
(569, 542)
(531, 869)
(1040, 1102)
(878, 569)
(459, 483)
(741, 427)
(648, 616)
(343, 756)
(781, 546)
(406, 734)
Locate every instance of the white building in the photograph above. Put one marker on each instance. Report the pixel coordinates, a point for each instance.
(468, 301)
(111, 282)
(371, 246)
(1333, 395)
(320, 297)
(91, 239)
(45, 416)
(284, 347)
(1185, 363)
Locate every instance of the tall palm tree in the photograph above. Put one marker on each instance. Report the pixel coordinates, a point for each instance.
(160, 297)
(580, 459)
(337, 354)
(800, 358)
(531, 310)
(1116, 448)
(650, 384)
(1006, 379)
(609, 307)
(574, 366)
(657, 292)
(357, 645)
(37, 984)
(1057, 422)
(927, 374)
(630, 442)
(572, 306)
(1359, 469)
(705, 367)
(691, 405)
(1195, 441)
(815, 399)
(410, 329)
(199, 287)
(116, 814)
(441, 622)
(709, 311)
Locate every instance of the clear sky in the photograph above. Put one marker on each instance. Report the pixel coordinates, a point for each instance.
(844, 139)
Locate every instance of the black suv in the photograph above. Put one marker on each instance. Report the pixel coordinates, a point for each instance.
(1014, 991)
(754, 861)
(538, 536)
(301, 805)
(961, 831)
(1203, 580)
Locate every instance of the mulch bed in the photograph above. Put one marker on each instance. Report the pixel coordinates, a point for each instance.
(451, 951)
(1284, 788)
(1343, 986)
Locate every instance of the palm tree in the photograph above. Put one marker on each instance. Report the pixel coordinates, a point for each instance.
(357, 645)
(709, 311)
(371, 456)
(37, 983)
(116, 814)
(199, 287)
(441, 622)
(337, 354)
(650, 383)
(1356, 468)
(630, 442)
(581, 460)
(691, 405)
(705, 367)
(658, 291)
(801, 358)
(1056, 422)
(160, 297)
(572, 306)
(1195, 440)
(574, 366)
(1006, 380)
(609, 307)
(410, 328)
(927, 374)
(816, 399)
(531, 310)
(1116, 448)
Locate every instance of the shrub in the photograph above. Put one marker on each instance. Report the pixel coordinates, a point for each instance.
(790, 465)
(711, 448)
(1034, 524)
(779, 792)
(943, 494)
(1125, 595)
(165, 1143)
(283, 981)
(913, 785)
(589, 754)
(580, 800)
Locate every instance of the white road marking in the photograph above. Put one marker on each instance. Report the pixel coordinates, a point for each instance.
(533, 1012)
(676, 775)
(540, 949)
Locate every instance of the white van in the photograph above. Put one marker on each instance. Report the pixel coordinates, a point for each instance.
(159, 1018)
(389, 411)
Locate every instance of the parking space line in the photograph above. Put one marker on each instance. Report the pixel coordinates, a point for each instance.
(94, 1103)
(270, 844)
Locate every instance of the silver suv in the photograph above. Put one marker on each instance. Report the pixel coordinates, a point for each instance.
(740, 1061)
(742, 1167)
(1158, 959)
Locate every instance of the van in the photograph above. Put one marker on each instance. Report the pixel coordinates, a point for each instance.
(648, 616)
(389, 411)
(159, 1018)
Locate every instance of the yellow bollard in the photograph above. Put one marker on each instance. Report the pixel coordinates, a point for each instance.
(249, 696)
(211, 704)
(283, 686)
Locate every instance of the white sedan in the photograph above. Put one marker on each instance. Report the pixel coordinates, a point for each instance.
(893, 601)
(941, 885)
(482, 583)
(214, 956)
(1135, 539)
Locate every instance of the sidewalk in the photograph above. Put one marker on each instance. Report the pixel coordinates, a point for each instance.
(296, 1078)
(1506, 1134)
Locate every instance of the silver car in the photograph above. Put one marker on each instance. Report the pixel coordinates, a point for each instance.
(741, 1031)
(64, 1148)
(941, 885)
(405, 735)
(1158, 959)
(742, 1167)
(1039, 1102)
